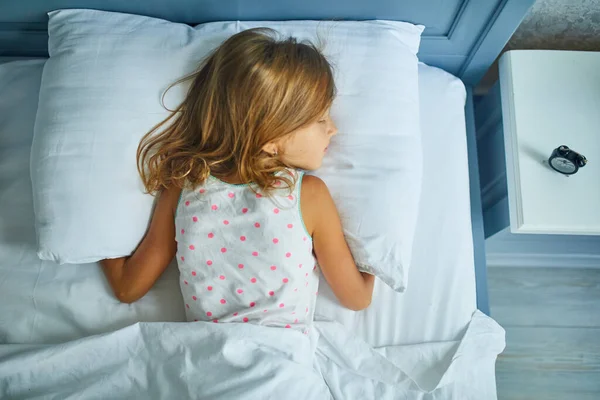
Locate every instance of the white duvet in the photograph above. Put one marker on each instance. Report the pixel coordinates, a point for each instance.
(243, 361)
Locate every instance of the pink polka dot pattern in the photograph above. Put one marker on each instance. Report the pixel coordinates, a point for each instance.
(227, 226)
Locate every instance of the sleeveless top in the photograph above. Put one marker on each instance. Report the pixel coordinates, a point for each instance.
(244, 256)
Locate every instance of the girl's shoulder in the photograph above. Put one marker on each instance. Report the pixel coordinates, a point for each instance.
(312, 187)
(313, 195)
(171, 196)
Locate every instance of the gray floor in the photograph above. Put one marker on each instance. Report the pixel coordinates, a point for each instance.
(552, 322)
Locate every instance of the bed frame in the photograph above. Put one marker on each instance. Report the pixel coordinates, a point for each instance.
(464, 37)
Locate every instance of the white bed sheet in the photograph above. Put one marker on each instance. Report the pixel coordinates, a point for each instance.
(46, 303)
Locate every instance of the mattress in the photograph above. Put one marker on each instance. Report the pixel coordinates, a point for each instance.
(46, 303)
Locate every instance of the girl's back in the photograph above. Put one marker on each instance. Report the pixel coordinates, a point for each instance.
(244, 256)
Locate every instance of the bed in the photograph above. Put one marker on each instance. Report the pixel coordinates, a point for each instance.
(435, 320)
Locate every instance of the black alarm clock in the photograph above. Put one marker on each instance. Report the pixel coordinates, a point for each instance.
(566, 161)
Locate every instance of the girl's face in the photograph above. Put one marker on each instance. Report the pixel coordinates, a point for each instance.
(305, 148)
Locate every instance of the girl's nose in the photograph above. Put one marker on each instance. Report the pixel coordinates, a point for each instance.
(333, 130)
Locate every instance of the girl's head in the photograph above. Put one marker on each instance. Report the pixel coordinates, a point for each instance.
(255, 106)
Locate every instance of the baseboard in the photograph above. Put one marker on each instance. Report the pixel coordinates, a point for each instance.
(543, 260)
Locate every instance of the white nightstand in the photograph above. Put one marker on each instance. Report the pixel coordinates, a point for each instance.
(547, 99)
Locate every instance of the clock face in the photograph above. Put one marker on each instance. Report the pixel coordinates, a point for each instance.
(563, 165)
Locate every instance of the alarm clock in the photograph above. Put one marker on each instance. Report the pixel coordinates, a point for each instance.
(566, 161)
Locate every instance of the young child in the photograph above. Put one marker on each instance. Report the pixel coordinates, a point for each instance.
(234, 206)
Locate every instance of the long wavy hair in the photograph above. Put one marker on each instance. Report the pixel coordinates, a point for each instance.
(251, 90)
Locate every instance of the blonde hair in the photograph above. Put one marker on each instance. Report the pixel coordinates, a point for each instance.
(249, 91)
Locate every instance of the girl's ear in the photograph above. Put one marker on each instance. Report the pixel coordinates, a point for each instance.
(270, 148)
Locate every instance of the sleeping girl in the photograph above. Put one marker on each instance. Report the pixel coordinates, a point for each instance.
(234, 206)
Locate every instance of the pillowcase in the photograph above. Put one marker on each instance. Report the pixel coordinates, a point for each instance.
(101, 91)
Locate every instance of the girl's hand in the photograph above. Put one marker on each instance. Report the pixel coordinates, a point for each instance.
(131, 277)
(353, 288)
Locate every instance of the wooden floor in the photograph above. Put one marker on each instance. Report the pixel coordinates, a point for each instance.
(552, 322)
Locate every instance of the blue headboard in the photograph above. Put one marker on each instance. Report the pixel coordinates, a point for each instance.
(463, 37)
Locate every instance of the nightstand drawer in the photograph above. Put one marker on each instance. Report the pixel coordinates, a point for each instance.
(543, 99)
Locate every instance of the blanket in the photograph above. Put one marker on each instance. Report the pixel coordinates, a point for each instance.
(244, 361)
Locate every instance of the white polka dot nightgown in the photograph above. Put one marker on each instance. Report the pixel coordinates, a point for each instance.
(245, 257)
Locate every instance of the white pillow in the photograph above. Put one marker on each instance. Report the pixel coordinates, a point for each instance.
(100, 94)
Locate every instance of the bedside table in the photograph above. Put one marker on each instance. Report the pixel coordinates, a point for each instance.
(543, 99)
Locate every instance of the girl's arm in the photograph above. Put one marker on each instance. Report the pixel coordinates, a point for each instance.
(352, 287)
(131, 277)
